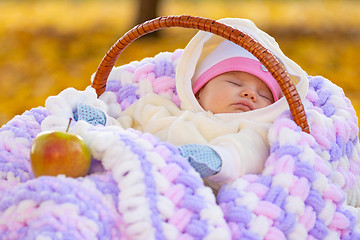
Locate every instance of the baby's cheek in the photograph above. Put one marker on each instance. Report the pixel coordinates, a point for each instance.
(262, 104)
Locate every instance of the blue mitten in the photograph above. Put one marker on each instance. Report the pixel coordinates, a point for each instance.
(203, 158)
(90, 114)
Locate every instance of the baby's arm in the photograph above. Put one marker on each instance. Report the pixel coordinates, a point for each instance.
(228, 157)
(241, 153)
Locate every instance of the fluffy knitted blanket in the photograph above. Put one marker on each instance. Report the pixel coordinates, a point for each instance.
(141, 188)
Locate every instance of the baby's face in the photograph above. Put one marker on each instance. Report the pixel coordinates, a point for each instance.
(234, 92)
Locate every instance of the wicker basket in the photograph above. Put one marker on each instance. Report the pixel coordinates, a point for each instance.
(220, 29)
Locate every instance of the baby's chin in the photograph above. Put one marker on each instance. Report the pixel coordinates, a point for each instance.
(241, 110)
(232, 111)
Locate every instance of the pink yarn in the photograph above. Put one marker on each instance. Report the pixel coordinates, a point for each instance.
(321, 166)
(143, 72)
(339, 221)
(171, 171)
(300, 188)
(181, 218)
(162, 84)
(175, 193)
(308, 219)
(267, 209)
(333, 193)
(284, 165)
(274, 234)
(259, 189)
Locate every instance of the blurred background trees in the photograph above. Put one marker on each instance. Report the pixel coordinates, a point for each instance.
(146, 10)
(48, 46)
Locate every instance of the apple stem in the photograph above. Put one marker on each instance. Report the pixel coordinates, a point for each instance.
(67, 129)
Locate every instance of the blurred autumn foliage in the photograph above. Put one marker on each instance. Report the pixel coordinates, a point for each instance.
(47, 46)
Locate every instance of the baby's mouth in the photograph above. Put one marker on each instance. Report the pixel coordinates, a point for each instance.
(244, 105)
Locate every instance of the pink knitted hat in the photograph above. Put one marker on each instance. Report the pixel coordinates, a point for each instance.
(226, 57)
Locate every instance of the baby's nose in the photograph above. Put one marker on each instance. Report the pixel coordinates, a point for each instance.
(248, 93)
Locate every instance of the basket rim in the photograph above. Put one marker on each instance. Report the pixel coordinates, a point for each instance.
(228, 32)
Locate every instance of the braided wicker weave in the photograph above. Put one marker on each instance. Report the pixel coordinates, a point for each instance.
(220, 29)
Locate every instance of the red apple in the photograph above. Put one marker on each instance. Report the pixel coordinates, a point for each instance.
(55, 152)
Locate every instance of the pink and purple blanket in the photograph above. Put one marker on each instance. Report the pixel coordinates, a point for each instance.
(141, 188)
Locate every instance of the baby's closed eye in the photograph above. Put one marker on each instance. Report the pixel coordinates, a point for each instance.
(266, 95)
(234, 82)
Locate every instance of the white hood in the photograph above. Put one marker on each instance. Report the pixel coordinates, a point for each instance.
(194, 51)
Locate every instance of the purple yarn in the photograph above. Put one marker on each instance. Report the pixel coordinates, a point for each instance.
(249, 235)
(329, 109)
(174, 150)
(315, 200)
(95, 167)
(349, 149)
(276, 195)
(355, 140)
(190, 181)
(274, 147)
(163, 67)
(18, 132)
(227, 195)
(324, 96)
(65, 190)
(106, 187)
(128, 101)
(182, 162)
(319, 231)
(335, 152)
(127, 91)
(238, 214)
(351, 236)
(193, 202)
(22, 127)
(197, 229)
(286, 222)
(190, 201)
(40, 113)
(289, 150)
(113, 86)
(316, 82)
(150, 185)
(341, 143)
(18, 169)
(349, 216)
(305, 170)
(265, 180)
(189, 191)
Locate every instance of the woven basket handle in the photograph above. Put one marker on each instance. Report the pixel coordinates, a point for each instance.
(220, 29)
